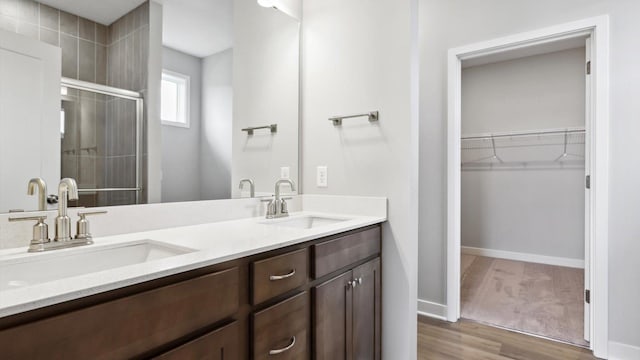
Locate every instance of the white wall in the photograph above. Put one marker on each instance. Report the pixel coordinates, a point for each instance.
(531, 211)
(452, 23)
(265, 85)
(525, 211)
(217, 119)
(536, 92)
(181, 146)
(357, 57)
(291, 7)
(153, 132)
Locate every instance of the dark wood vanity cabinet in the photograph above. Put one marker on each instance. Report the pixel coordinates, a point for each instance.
(315, 300)
(347, 315)
(128, 326)
(282, 331)
(220, 344)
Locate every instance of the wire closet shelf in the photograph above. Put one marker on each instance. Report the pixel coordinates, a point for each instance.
(550, 148)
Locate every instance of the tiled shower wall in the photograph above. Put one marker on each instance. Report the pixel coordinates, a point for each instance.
(127, 59)
(99, 144)
(83, 42)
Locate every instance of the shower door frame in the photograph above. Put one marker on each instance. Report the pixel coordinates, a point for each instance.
(123, 94)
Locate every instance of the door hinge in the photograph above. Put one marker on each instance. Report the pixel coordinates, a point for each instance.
(588, 67)
(587, 182)
(587, 296)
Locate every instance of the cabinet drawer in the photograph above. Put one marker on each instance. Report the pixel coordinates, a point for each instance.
(282, 330)
(128, 326)
(220, 344)
(279, 274)
(337, 253)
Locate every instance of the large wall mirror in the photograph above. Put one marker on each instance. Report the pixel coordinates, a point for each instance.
(145, 102)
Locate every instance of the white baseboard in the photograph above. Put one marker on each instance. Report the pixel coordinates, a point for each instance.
(534, 258)
(431, 309)
(619, 351)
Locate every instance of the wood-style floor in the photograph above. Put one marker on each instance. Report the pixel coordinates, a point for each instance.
(467, 340)
(540, 299)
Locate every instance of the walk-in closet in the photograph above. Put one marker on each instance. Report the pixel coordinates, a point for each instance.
(523, 181)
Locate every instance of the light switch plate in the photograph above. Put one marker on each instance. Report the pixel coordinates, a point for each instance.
(321, 178)
(285, 172)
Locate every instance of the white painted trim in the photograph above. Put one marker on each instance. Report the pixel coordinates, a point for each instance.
(432, 310)
(518, 256)
(619, 351)
(598, 29)
(599, 237)
(454, 133)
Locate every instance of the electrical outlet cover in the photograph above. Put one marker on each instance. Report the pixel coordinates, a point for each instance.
(321, 178)
(285, 172)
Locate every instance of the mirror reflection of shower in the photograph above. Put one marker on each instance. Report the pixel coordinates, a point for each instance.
(100, 131)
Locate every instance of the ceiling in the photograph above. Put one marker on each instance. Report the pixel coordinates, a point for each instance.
(101, 11)
(198, 27)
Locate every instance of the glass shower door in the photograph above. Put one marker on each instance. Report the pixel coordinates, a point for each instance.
(100, 149)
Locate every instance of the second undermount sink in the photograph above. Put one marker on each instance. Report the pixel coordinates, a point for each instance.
(41, 268)
(305, 222)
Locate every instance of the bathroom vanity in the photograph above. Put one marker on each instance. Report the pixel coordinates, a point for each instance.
(310, 297)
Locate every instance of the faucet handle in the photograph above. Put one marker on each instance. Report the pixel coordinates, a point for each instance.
(283, 206)
(82, 228)
(91, 213)
(271, 208)
(40, 232)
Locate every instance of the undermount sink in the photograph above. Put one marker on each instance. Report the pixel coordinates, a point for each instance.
(54, 265)
(305, 222)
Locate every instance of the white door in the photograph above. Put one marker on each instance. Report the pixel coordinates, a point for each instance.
(29, 118)
(587, 193)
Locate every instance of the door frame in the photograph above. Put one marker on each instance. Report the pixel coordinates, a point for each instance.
(598, 29)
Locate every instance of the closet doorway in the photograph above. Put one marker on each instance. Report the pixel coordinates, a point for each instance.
(525, 117)
(523, 194)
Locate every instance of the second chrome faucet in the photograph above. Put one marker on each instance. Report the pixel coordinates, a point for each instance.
(277, 207)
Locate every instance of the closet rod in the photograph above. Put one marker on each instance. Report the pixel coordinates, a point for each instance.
(527, 133)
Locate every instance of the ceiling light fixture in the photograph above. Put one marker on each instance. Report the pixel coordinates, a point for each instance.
(266, 3)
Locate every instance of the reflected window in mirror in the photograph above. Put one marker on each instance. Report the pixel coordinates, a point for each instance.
(175, 99)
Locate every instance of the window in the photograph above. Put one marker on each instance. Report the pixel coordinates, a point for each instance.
(175, 99)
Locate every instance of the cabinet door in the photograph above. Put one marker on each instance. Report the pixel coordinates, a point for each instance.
(220, 344)
(366, 311)
(332, 319)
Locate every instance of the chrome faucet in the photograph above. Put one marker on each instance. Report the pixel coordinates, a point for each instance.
(277, 207)
(66, 189)
(38, 183)
(252, 186)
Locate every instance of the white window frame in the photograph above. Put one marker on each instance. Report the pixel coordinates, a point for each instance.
(180, 80)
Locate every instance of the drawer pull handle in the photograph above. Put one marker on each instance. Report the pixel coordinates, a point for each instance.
(288, 347)
(282, 277)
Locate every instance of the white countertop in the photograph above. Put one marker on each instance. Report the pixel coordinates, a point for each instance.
(213, 243)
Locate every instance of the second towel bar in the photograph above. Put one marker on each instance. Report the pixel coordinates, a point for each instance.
(272, 127)
(337, 120)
